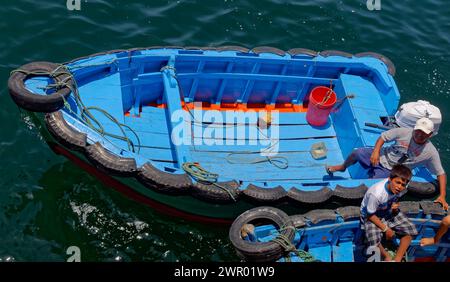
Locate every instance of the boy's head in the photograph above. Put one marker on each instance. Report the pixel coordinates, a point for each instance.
(399, 178)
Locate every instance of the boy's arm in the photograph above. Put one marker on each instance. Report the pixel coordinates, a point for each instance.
(384, 228)
(377, 221)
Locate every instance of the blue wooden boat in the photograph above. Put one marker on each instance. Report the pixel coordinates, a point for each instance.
(260, 235)
(117, 114)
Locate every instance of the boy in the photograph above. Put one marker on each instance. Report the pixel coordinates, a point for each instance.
(412, 148)
(443, 228)
(380, 213)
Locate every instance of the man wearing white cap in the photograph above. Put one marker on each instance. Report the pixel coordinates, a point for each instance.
(411, 148)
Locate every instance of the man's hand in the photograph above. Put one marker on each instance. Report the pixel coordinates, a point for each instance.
(390, 234)
(441, 200)
(375, 158)
(395, 207)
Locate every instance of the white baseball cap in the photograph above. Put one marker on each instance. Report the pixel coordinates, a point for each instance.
(424, 124)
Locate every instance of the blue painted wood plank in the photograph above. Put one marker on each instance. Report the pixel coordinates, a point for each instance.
(366, 94)
(223, 83)
(113, 108)
(277, 88)
(251, 132)
(249, 87)
(193, 90)
(369, 135)
(303, 145)
(336, 62)
(268, 173)
(305, 85)
(250, 117)
(153, 139)
(140, 124)
(244, 166)
(146, 78)
(157, 154)
(153, 111)
(298, 158)
(343, 252)
(173, 100)
(322, 253)
(256, 77)
(108, 87)
(278, 117)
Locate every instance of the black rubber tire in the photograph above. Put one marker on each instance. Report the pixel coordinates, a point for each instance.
(35, 102)
(310, 197)
(429, 207)
(164, 182)
(64, 133)
(390, 65)
(193, 48)
(264, 194)
(298, 220)
(352, 193)
(268, 49)
(109, 162)
(328, 53)
(423, 189)
(349, 212)
(233, 48)
(258, 251)
(209, 48)
(410, 208)
(318, 216)
(302, 51)
(214, 194)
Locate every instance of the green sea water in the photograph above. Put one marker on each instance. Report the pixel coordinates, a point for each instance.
(48, 204)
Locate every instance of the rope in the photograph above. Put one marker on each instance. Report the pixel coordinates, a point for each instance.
(203, 176)
(277, 161)
(328, 94)
(286, 244)
(85, 115)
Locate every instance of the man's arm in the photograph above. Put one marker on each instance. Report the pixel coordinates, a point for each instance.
(442, 180)
(375, 157)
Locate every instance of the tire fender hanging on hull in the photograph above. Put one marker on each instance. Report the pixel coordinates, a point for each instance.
(64, 133)
(164, 182)
(228, 192)
(109, 162)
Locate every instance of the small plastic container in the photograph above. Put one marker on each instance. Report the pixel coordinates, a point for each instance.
(319, 150)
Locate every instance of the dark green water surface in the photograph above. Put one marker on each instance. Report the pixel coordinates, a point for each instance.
(48, 204)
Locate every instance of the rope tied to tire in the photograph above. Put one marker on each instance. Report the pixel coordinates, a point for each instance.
(85, 116)
(286, 244)
(203, 176)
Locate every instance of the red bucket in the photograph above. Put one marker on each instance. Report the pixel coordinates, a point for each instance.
(321, 102)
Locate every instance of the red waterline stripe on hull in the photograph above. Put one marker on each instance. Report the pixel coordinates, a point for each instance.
(111, 182)
(428, 259)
